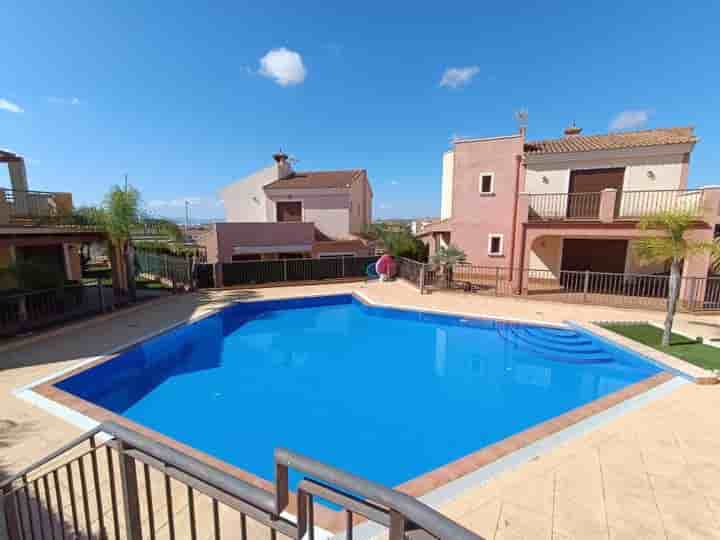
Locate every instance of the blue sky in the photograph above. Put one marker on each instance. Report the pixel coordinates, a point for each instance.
(174, 94)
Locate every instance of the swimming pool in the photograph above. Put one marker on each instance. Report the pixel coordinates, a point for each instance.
(388, 394)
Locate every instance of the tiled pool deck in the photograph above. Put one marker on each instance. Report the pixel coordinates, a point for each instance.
(651, 472)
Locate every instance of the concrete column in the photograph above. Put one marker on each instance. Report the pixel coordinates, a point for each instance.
(695, 270)
(67, 255)
(711, 205)
(608, 198)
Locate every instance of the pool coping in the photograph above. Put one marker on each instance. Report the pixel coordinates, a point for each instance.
(45, 394)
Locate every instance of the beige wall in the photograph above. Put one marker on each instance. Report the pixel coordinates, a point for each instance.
(546, 254)
(552, 174)
(245, 200)
(448, 161)
(360, 205)
(328, 210)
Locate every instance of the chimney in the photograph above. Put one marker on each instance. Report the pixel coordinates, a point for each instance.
(571, 131)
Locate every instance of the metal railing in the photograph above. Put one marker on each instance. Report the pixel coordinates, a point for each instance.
(629, 205)
(561, 206)
(294, 270)
(637, 204)
(176, 272)
(24, 311)
(36, 208)
(626, 290)
(134, 487)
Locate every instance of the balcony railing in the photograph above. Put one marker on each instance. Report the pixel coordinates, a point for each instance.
(612, 205)
(35, 208)
(559, 206)
(636, 204)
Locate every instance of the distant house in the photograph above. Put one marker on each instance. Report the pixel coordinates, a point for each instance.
(281, 213)
(37, 230)
(568, 204)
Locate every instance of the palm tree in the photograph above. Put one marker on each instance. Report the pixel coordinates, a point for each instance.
(122, 213)
(118, 215)
(447, 257)
(670, 248)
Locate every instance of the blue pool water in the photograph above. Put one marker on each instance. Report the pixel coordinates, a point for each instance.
(384, 393)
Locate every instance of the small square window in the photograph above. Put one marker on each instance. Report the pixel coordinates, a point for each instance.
(495, 244)
(487, 182)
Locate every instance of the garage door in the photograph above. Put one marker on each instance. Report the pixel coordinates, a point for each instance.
(594, 255)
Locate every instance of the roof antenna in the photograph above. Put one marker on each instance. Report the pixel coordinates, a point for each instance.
(521, 117)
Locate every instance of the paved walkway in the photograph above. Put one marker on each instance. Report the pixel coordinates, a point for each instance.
(652, 473)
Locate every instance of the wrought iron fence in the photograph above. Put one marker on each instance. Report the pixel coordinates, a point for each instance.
(627, 290)
(24, 311)
(134, 487)
(637, 204)
(294, 270)
(173, 271)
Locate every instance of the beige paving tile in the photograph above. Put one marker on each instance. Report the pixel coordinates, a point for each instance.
(651, 473)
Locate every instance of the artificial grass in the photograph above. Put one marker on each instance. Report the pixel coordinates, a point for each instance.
(681, 347)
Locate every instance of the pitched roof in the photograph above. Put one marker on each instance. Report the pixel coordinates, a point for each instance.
(318, 180)
(612, 141)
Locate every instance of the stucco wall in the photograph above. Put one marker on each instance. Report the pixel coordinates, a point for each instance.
(329, 210)
(284, 236)
(669, 170)
(448, 160)
(475, 216)
(209, 240)
(245, 200)
(546, 254)
(360, 205)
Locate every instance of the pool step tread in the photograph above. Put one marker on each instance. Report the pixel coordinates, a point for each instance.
(575, 352)
(581, 347)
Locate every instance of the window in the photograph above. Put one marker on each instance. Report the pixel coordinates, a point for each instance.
(487, 183)
(289, 211)
(495, 245)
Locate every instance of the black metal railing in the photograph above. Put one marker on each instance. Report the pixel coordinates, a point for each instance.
(626, 290)
(135, 487)
(294, 270)
(176, 272)
(26, 310)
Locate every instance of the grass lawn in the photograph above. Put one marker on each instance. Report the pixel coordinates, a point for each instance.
(681, 347)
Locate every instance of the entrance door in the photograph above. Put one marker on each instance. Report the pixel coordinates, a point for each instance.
(589, 183)
(289, 211)
(594, 255)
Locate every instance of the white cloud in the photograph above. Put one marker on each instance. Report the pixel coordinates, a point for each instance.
(630, 119)
(9, 106)
(458, 76)
(64, 101)
(394, 183)
(284, 66)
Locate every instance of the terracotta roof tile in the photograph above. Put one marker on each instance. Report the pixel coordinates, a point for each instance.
(318, 180)
(612, 141)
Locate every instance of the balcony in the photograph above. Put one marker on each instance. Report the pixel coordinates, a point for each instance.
(612, 205)
(36, 209)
